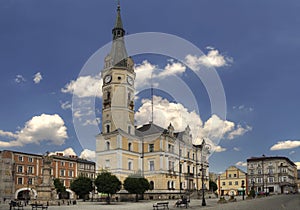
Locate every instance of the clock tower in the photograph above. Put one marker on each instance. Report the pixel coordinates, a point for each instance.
(118, 84)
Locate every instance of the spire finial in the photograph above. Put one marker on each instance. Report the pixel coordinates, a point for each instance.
(119, 6)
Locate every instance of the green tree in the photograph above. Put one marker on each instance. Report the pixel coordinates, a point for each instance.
(136, 185)
(213, 186)
(60, 188)
(108, 184)
(82, 186)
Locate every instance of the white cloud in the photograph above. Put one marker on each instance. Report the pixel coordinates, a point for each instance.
(172, 68)
(292, 152)
(37, 78)
(143, 74)
(67, 152)
(243, 108)
(65, 105)
(236, 149)
(239, 131)
(8, 134)
(91, 122)
(19, 78)
(84, 86)
(212, 59)
(289, 144)
(241, 163)
(49, 128)
(88, 154)
(165, 112)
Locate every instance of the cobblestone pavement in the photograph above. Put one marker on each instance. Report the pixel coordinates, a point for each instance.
(278, 202)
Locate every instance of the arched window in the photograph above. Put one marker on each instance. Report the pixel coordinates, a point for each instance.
(168, 185)
(151, 185)
(129, 146)
(107, 145)
(108, 95)
(107, 128)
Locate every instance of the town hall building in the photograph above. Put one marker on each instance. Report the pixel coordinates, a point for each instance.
(168, 159)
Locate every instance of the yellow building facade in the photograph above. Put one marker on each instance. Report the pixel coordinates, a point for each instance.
(230, 182)
(168, 159)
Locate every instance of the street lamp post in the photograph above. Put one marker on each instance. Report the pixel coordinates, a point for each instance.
(206, 147)
(243, 187)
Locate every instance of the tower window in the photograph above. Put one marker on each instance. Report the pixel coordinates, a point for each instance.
(108, 95)
(107, 145)
(107, 128)
(151, 147)
(129, 146)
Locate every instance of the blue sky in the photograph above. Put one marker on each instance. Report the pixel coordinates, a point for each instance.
(254, 46)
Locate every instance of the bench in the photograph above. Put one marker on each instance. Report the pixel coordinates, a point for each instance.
(38, 206)
(164, 205)
(15, 205)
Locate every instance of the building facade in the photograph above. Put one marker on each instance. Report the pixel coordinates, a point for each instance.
(231, 181)
(168, 159)
(22, 173)
(272, 174)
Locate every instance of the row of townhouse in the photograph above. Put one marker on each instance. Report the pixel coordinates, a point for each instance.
(21, 172)
(272, 175)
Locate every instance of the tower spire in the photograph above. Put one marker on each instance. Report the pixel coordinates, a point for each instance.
(118, 53)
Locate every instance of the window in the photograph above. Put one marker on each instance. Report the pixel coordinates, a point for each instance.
(30, 181)
(129, 146)
(71, 165)
(30, 170)
(236, 183)
(188, 154)
(107, 145)
(171, 166)
(151, 147)
(151, 185)
(180, 168)
(129, 164)
(30, 159)
(193, 156)
(270, 171)
(229, 175)
(271, 179)
(21, 158)
(151, 165)
(223, 183)
(20, 169)
(62, 172)
(20, 180)
(230, 183)
(251, 172)
(62, 163)
(107, 128)
(234, 175)
(70, 173)
(283, 170)
(259, 171)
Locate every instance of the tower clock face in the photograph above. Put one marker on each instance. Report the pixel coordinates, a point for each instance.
(129, 80)
(107, 79)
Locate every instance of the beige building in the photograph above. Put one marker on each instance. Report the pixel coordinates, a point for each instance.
(168, 159)
(230, 182)
(272, 174)
(21, 173)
